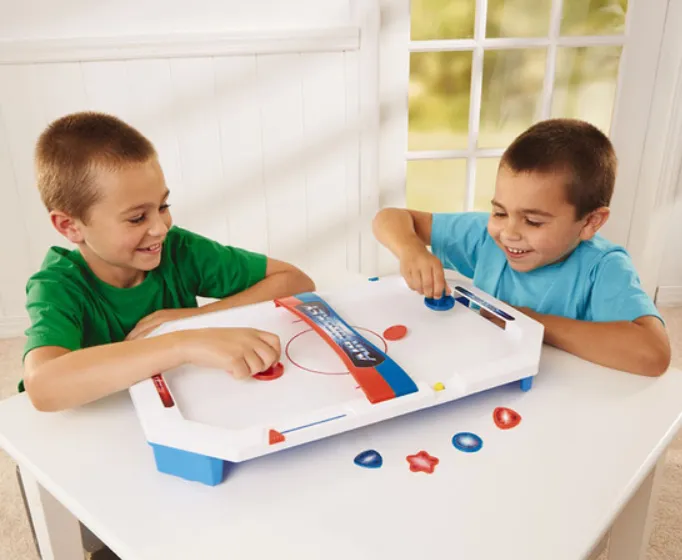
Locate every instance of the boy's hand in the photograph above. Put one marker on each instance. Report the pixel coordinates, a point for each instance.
(423, 272)
(150, 322)
(241, 352)
(57, 378)
(407, 233)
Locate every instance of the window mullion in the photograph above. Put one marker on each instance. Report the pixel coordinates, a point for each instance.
(475, 100)
(550, 70)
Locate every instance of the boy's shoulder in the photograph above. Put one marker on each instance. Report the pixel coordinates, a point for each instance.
(613, 290)
(182, 243)
(60, 264)
(451, 227)
(209, 266)
(466, 219)
(61, 279)
(178, 238)
(598, 255)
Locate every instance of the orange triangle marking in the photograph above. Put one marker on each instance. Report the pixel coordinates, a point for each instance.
(275, 437)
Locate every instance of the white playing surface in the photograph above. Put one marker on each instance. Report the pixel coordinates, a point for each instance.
(457, 348)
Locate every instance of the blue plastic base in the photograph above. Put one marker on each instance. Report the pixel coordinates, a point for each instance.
(526, 383)
(188, 465)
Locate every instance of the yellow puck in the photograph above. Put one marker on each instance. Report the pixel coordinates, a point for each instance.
(438, 387)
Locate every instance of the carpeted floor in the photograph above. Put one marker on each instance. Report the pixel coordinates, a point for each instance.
(16, 542)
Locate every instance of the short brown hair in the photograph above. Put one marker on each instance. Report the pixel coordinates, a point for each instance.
(574, 147)
(70, 150)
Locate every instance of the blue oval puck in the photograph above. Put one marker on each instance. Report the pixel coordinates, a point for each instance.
(467, 442)
(369, 459)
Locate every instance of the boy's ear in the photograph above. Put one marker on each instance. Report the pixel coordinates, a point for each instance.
(66, 225)
(593, 222)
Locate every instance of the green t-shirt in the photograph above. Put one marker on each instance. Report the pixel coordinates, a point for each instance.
(72, 308)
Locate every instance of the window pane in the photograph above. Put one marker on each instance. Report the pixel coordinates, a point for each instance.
(585, 84)
(439, 100)
(512, 94)
(594, 17)
(442, 19)
(518, 18)
(486, 174)
(436, 185)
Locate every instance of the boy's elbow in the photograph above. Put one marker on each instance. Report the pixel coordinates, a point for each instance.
(651, 354)
(42, 405)
(308, 284)
(657, 359)
(381, 216)
(301, 282)
(659, 363)
(39, 399)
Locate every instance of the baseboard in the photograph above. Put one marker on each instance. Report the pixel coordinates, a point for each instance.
(669, 296)
(11, 327)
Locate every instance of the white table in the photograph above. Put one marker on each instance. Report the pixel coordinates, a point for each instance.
(585, 455)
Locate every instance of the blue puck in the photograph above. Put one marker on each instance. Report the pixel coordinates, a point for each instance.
(467, 442)
(441, 304)
(369, 459)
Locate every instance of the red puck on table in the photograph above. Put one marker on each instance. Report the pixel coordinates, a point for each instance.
(273, 372)
(396, 332)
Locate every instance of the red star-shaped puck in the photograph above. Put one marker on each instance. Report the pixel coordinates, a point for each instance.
(422, 462)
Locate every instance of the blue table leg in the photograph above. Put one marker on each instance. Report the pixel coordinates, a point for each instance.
(526, 383)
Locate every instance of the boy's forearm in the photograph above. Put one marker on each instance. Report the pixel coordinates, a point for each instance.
(394, 229)
(621, 345)
(86, 375)
(280, 284)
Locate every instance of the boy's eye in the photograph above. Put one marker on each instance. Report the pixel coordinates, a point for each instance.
(139, 219)
(533, 224)
(499, 214)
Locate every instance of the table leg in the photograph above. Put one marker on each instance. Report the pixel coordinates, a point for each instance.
(631, 532)
(57, 530)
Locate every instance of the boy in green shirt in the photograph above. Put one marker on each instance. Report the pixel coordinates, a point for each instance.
(91, 308)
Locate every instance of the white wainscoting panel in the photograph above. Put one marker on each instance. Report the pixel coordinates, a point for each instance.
(261, 151)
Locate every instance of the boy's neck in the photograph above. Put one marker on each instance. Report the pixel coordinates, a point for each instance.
(116, 276)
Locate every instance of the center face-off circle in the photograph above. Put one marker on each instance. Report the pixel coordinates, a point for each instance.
(309, 352)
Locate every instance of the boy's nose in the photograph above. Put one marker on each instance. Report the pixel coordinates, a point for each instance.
(511, 233)
(158, 227)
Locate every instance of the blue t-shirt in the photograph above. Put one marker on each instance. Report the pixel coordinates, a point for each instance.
(597, 282)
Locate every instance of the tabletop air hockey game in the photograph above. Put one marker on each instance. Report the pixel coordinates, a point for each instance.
(350, 357)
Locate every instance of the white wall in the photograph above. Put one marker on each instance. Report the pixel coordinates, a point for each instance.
(656, 227)
(30, 19)
(259, 131)
(670, 279)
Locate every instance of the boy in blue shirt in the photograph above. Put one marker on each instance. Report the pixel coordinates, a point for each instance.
(539, 250)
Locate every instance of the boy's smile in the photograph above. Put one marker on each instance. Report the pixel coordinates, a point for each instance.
(533, 222)
(151, 250)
